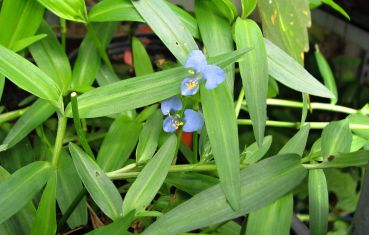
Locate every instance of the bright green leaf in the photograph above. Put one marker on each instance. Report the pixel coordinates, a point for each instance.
(141, 60)
(74, 10)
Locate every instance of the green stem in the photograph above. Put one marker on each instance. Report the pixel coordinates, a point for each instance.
(316, 106)
(100, 46)
(12, 115)
(115, 175)
(63, 32)
(71, 208)
(313, 125)
(239, 102)
(179, 136)
(62, 124)
(77, 125)
(195, 146)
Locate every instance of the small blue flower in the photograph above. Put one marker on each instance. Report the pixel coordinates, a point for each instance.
(171, 104)
(193, 121)
(171, 124)
(213, 74)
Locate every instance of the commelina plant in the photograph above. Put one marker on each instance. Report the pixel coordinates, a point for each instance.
(169, 150)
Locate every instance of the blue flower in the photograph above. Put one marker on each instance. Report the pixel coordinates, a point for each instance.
(191, 122)
(171, 104)
(213, 74)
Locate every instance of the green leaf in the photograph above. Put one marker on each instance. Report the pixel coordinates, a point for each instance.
(18, 189)
(114, 10)
(336, 7)
(25, 42)
(187, 19)
(149, 137)
(28, 77)
(280, 211)
(223, 136)
(230, 228)
(167, 26)
(297, 143)
(51, 58)
(118, 227)
(254, 153)
(19, 156)
(286, 25)
(100, 187)
(359, 119)
(21, 222)
(341, 160)
(318, 202)
(254, 73)
(19, 20)
(327, 74)
(39, 112)
(261, 185)
(248, 6)
(118, 144)
(150, 179)
(140, 91)
(88, 60)
(74, 10)
(68, 188)
(336, 138)
(141, 60)
(289, 72)
(273, 219)
(216, 31)
(357, 143)
(45, 221)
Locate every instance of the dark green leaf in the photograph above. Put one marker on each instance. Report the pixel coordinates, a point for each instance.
(318, 202)
(261, 185)
(18, 189)
(100, 187)
(150, 179)
(254, 73)
(118, 144)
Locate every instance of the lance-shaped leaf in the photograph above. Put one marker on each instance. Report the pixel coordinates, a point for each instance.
(341, 160)
(114, 10)
(336, 138)
(254, 73)
(149, 137)
(167, 26)
(327, 74)
(68, 188)
(141, 60)
(216, 31)
(28, 77)
(100, 187)
(21, 222)
(248, 6)
(140, 91)
(39, 112)
(45, 221)
(261, 185)
(118, 144)
(18, 189)
(25, 42)
(74, 10)
(318, 202)
(150, 179)
(254, 153)
(289, 72)
(89, 60)
(51, 58)
(19, 19)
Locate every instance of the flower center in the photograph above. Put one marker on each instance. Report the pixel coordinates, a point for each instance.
(176, 122)
(193, 83)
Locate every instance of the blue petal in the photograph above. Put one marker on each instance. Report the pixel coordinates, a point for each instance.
(196, 60)
(169, 125)
(190, 86)
(193, 121)
(170, 104)
(214, 76)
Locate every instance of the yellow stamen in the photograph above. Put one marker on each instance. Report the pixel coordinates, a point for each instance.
(193, 83)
